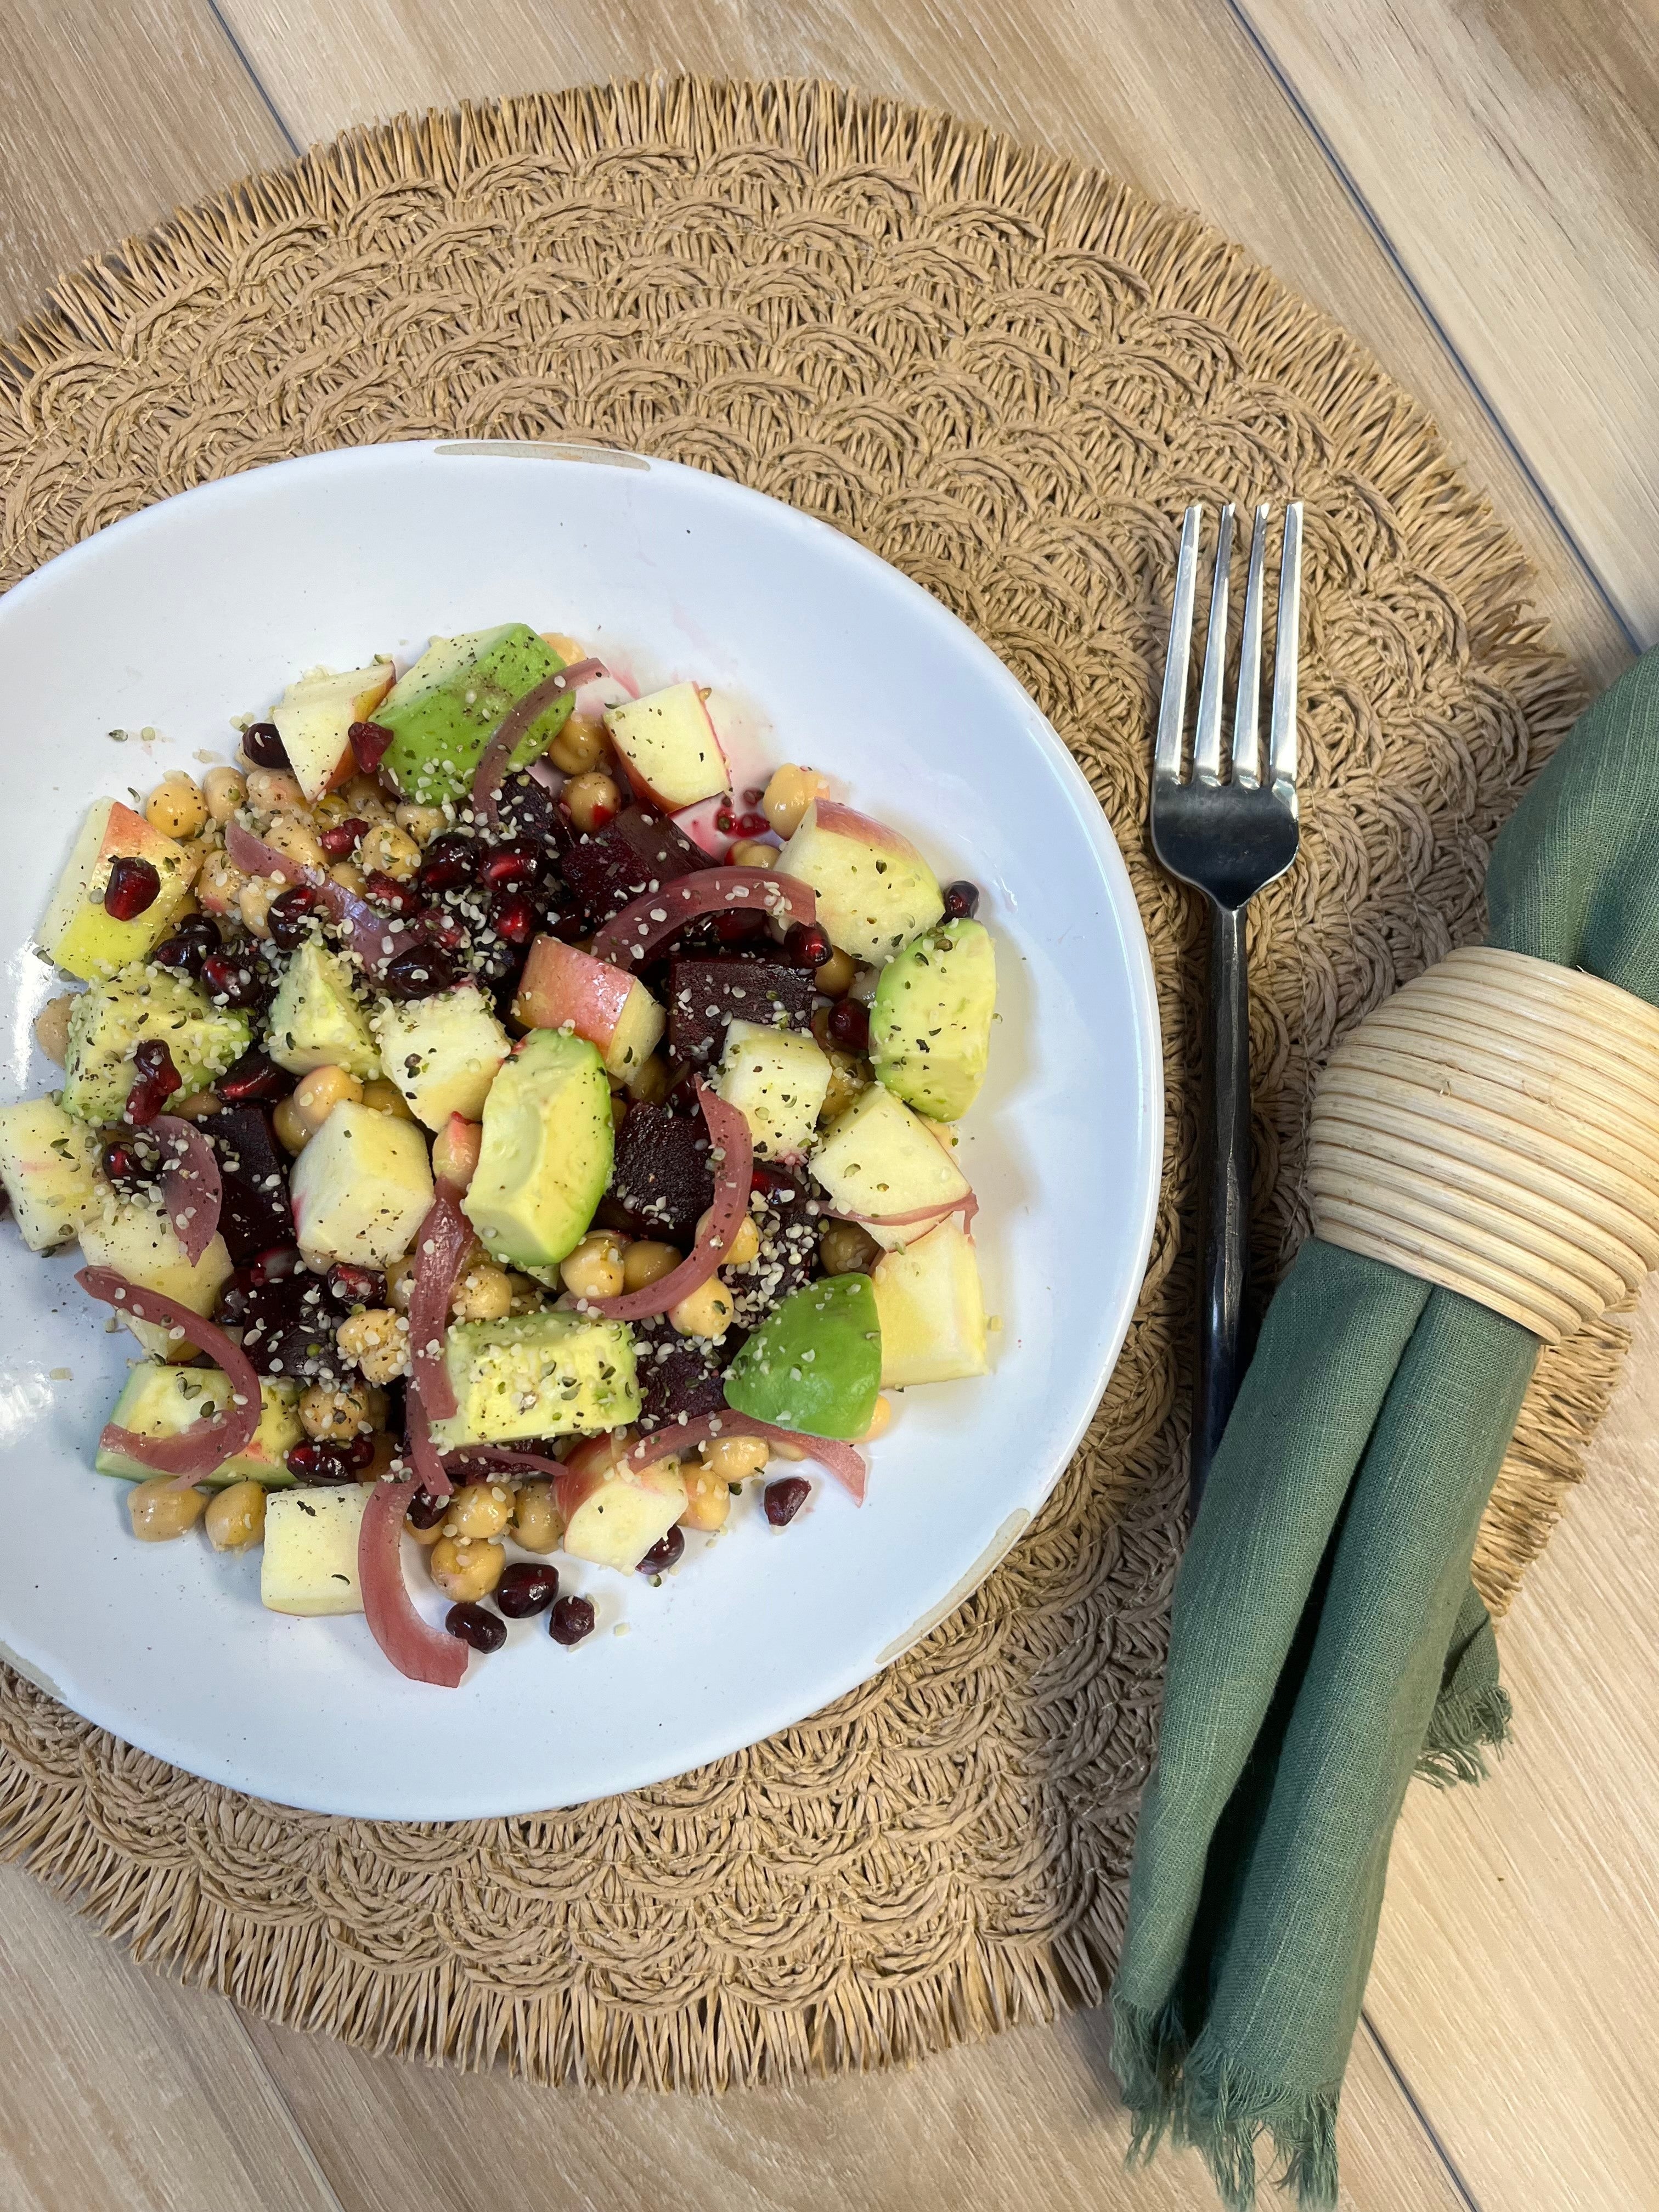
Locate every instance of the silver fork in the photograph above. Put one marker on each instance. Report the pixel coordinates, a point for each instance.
(1227, 838)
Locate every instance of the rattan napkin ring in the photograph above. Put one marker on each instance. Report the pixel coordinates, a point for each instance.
(1494, 1128)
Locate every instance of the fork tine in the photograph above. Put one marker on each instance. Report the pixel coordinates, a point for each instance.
(1286, 642)
(1206, 737)
(1247, 712)
(1172, 709)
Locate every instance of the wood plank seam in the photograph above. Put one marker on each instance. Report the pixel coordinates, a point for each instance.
(1374, 223)
(253, 77)
(1414, 2104)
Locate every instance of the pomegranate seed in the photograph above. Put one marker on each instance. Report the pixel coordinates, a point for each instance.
(752, 825)
(663, 1555)
(783, 1500)
(724, 820)
(437, 927)
(230, 982)
(133, 886)
(368, 741)
(263, 744)
(129, 1167)
(509, 865)
(426, 1511)
(806, 944)
(360, 1450)
(314, 1461)
(342, 839)
(848, 1025)
(513, 918)
(740, 929)
(449, 861)
(571, 1620)
(484, 1631)
(157, 1079)
(274, 1265)
(290, 915)
(254, 1077)
(386, 890)
(357, 1286)
(419, 973)
(528, 1586)
(188, 946)
(961, 901)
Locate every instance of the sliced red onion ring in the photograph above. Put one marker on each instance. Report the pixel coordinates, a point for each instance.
(440, 1245)
(190, 1185)
(255, 858)
(732, 1145)
(843, 1461)
(516, 725)
(429, 1470)
(205, 1444)
(488, 1458)
(413, 1645)
(372, 936)
(967, 1207)
(644, 921)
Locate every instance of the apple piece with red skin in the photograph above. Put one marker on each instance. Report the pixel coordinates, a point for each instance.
(613, 1513)
(565, 988)
(313, 715)
(875, 891)
(455, 1150)
(669, 747)
(76, 932)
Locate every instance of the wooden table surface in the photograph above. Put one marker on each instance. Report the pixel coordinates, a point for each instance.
(1472, 187)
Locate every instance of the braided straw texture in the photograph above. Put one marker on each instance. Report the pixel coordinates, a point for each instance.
(1008, 376)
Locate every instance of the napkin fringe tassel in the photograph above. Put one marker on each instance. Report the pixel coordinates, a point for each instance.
(1458, 1730)
(1219, 2109)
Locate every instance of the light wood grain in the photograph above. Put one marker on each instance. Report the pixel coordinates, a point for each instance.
(116, 111)
(121, 2093)
(1511, 151)
(1172, 93)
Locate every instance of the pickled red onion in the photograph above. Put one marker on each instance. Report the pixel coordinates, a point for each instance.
(516, 724)
(967, 1205)
(413, 1645)
(644, 921)
(487, 1457)
(205, 1444)
(429, 1470)
(842, 1460)
(372, 936)
(729, 1136)
(190, 1184)
(440, 1245)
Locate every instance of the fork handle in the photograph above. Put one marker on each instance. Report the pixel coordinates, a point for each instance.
(1225, 1191)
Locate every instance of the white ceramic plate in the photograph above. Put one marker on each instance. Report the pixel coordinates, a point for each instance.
(205, 606)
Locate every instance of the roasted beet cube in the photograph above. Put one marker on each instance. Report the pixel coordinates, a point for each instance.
(255, 1215)
(287, 1329)
(662, 1182)
(704, 995)
(679, 1374)
(626, 857)
(788, 1223)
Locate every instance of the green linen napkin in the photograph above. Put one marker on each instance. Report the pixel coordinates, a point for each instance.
(1326, 1640)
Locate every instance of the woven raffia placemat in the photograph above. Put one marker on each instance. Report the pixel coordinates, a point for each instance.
(1008, 376)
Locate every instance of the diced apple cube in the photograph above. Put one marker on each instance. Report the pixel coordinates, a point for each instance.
(778, 1080)
(613, 1513)
(309, 1563)
(48, 1161)
(75, 930)
(879, 1160)
(361, 1188)
(875, 891)
(565, 988)
(313, 715)
(442, 1052)
(138, 1241)
(932, 1309)
(668, 746)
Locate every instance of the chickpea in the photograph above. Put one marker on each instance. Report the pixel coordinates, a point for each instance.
(293, 1133)
(618, 1110)
(253, 903)
(479, 1509)
(744, 1245)
(649, 1082)
(847, 1248)
(224, 790)
(195, 1105)
(364, 797)
(465, 1572)
(176, 806)
(647, 1262)
(592, 800)
(317, 1094)
(52, 1028)
(579, 746)
(736, 1459)
(751, 853)
(376, 1341)
(537, 1521)
(293, 836)
(850, 1078)
(348, 875)
(880, 1421)
(788, 796)
(708, 1500)
(236, 1516)
(220, 884)
(386, 1098)
(706, 1312)
(160, 1512)
(389, 851)
(567, 647)
(274, 791)
(821, 1029)
(483, 1293)
(835, 978)
(332, 1414)
(400, 1284)
(422, 823)
(595, 1269)
(386, 1449)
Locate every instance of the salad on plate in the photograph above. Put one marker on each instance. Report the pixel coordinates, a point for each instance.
(497, 1131)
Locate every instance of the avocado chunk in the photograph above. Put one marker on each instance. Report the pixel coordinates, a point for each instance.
(315, 1018)
(549, 1374)
(164, 1401)
(48, 1166)
(442, 1052)
(546, 1155)
(814, 1363)
(930, 1027)
(108, 1021)
(445, 711)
